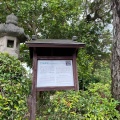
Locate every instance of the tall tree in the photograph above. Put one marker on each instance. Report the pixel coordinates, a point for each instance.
(115, 65)
(62, 19)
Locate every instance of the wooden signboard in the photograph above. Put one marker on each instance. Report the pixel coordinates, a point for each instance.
(54, 66)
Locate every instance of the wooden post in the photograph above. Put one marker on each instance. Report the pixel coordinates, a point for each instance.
(33, 100)
(75, 71)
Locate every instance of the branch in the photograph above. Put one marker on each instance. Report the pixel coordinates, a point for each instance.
(8, 7)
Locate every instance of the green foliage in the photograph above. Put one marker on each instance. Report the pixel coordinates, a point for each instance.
(100, 103)
(25, 55)
(88, 74)
(85, 70)
(97, 40)
(103, 73)
(94, 104)
(49, 17)
(14, 88)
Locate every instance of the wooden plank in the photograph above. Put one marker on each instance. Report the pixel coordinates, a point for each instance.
(55, 57)
(56, 88)
(56, 45)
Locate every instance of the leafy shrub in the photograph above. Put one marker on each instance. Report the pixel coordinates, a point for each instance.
(100, 104)
(94, 104)
(14, 88)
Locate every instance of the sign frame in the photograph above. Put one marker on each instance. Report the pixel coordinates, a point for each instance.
(75, 79)
(54, 73)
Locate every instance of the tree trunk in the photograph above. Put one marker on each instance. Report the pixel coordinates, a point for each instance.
(115, 64)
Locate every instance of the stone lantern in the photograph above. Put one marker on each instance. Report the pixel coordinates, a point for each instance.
(11, 36)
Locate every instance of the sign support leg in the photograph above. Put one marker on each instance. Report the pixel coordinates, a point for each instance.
(33, 100)
(33, 107)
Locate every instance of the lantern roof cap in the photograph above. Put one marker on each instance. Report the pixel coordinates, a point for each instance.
(10, 28)
(12, 19)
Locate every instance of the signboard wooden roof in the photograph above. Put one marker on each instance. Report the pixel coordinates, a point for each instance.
(55, 43)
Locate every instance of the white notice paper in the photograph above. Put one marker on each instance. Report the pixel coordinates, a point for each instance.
(55, 73)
